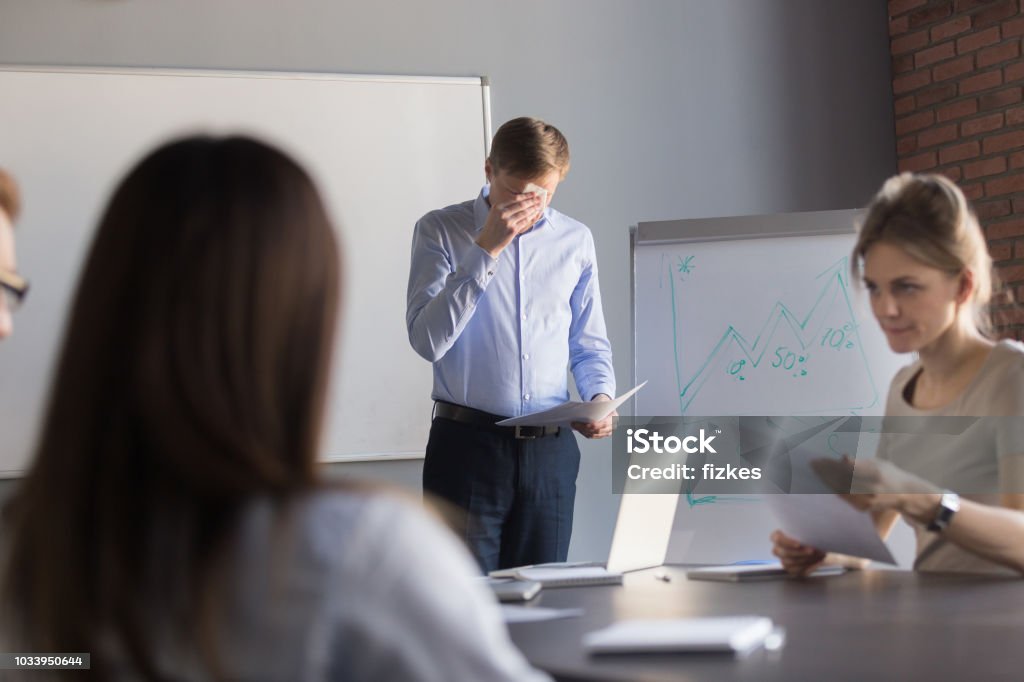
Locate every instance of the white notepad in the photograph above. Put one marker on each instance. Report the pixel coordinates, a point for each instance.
(738, 634)
(744, 573)
(570, 577)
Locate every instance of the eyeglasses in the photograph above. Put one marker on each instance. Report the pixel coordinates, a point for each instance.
(14, 288)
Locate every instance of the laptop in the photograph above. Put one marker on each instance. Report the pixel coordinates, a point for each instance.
(643, 528)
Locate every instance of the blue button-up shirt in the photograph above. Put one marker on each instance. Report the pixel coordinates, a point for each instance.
(502, 331)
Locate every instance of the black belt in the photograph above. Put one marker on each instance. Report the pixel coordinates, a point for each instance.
(467, 415)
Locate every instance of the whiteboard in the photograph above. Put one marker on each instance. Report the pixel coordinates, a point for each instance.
(383, 151)
(753, 315)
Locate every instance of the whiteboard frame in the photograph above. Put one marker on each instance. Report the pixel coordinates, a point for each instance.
(733, 228)
(483, 82)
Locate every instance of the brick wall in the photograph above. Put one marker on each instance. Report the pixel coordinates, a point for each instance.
(958, 86)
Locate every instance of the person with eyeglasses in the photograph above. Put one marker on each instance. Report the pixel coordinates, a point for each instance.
(13, 286)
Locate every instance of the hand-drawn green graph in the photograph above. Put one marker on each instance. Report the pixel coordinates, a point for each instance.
(810, 361)
(753, 296)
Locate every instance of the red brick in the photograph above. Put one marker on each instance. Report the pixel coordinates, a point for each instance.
(952, 172)
(1015, 116)
(903, 63)
(909, 124)
(999, 98)
(948, 29)
(967, 150)
(898, 26)
(1009, 316)
(1005, 185)
(898, 7)
(938, 135)
(930, 15)
(904, 105)
(992, 14)
(974, 191)
(1013, 27)
(1000, 252)
(987, 210)
(931, 96)
(1016, 160)
(915, 164)
(934, 54)
(985, 167)
(967, 5)
(1013, 71)
(913, 41)
(982, 124)
(906, 145)
(1005, 228)
(1003, 295)
(953, 68)
(957, 110)
(911, 81)
(1018, 252)
(1018, 205)
(994, 144)
(969, 43)
(983, 81)
(998, 54)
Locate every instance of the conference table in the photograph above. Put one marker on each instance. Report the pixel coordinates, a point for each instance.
(862, 625)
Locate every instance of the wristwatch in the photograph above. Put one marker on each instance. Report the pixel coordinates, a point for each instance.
(949, 505)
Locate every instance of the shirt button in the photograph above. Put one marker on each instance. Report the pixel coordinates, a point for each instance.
(526, 356)
(490, 273)
(526, 397)
(524, 316)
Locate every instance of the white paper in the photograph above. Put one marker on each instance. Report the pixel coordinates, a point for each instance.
(735, 633)
(534, 614)
(554, 577)
(571, 411)
(538, 190)
(511, 572)
(743, 572)
(828, 523)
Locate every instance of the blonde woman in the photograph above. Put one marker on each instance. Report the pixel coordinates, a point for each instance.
(924, 262)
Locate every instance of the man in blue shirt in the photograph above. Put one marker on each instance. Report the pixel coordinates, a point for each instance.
(503, 297)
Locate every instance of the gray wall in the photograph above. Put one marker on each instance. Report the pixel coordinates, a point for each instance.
(673, 108)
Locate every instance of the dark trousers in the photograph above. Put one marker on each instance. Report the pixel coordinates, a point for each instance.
(515, 497)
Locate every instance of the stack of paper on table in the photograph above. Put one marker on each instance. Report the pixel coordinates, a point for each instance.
(751, 572)
(737, 634)
(570, 577)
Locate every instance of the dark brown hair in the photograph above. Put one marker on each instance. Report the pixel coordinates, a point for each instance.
(10, 197)
(191, 380)
(529, 148)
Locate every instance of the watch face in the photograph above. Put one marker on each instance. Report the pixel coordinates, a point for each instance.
(949, 504)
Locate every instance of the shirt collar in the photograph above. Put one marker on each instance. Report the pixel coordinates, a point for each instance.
(481, 208)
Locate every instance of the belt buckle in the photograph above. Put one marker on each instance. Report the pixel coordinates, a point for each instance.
(518, 435)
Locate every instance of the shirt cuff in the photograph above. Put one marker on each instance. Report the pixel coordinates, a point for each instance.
(607, 389)
(479, 266)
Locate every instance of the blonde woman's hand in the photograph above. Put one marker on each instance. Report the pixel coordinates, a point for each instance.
(797, 558)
